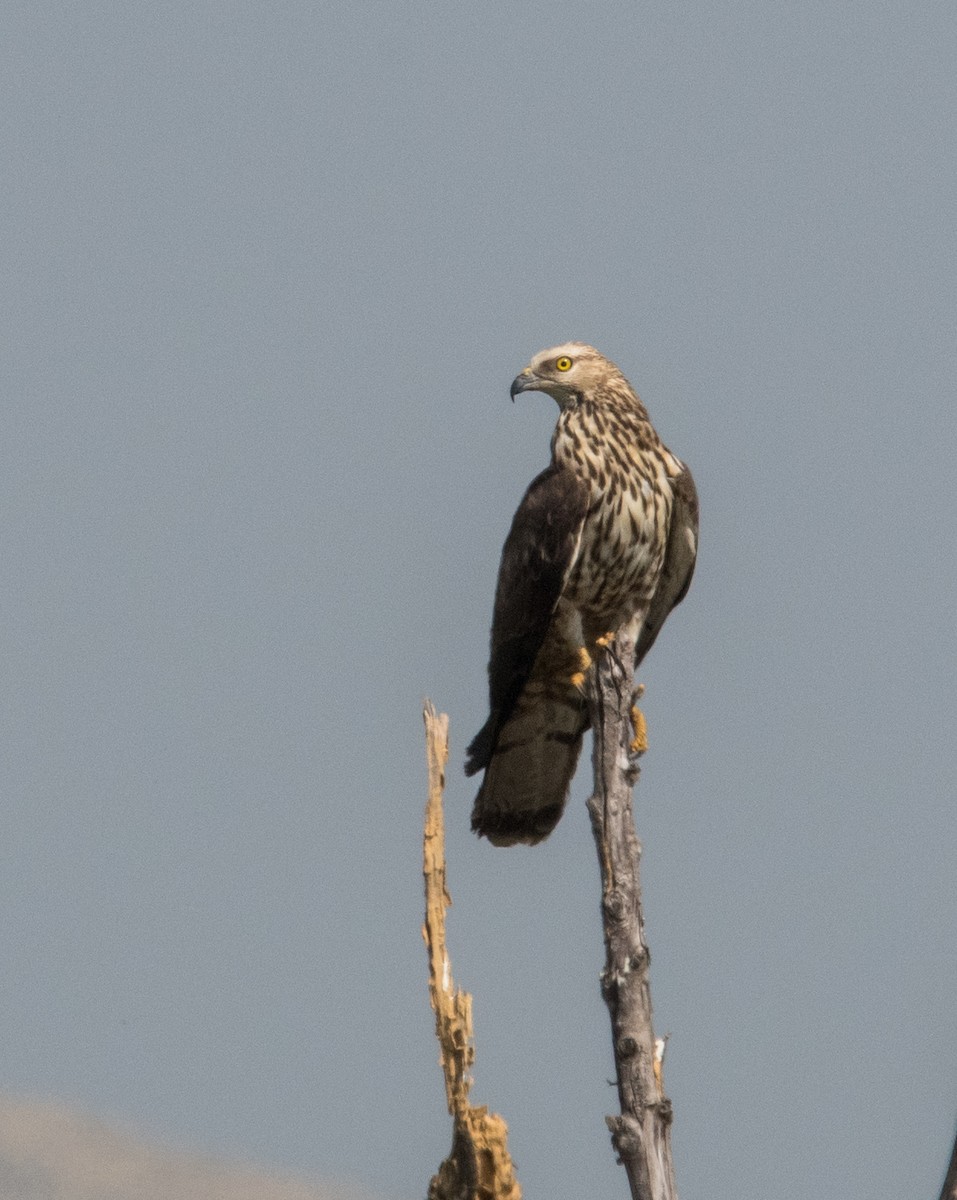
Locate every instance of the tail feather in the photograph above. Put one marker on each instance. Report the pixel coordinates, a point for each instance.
(479, 753)
(529, 764)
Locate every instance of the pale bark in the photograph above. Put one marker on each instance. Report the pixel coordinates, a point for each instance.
(641, 1133)
(478, 1166)
(949, 1190)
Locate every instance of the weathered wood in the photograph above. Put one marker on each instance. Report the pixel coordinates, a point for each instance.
(478, 1166)
(949, 1190)
(641, 1133)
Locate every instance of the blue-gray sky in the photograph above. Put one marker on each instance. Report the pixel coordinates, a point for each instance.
(267, 272)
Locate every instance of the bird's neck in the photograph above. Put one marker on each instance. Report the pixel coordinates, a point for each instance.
(604, 423)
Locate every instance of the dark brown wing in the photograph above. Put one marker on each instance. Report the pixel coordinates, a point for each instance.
(538, 551)
(679, 561)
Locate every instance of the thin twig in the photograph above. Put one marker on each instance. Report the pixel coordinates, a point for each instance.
(641, 1133)
(949, 1190)
(478, 1166)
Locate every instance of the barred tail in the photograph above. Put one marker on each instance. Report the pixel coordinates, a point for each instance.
(529, 764)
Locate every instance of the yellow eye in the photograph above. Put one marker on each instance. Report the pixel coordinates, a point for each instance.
(563, 364)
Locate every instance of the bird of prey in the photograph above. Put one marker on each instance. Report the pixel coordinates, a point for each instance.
(606, 536)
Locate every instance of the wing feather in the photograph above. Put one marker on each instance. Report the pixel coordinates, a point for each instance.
(680, 554)
(538, 553)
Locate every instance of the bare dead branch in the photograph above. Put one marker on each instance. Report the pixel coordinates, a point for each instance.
(949, 1190)
(478, 1166)
(641, 1134)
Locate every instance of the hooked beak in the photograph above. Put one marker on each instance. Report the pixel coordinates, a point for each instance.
(527, 381)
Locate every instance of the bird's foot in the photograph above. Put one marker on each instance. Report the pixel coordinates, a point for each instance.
(585, 661)
(605, 640)
(639, 743)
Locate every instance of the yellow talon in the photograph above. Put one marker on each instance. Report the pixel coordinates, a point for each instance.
(584, 662)
(605, 640)
(639, 743)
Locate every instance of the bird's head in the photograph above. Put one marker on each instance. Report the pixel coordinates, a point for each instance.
(566, 373)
